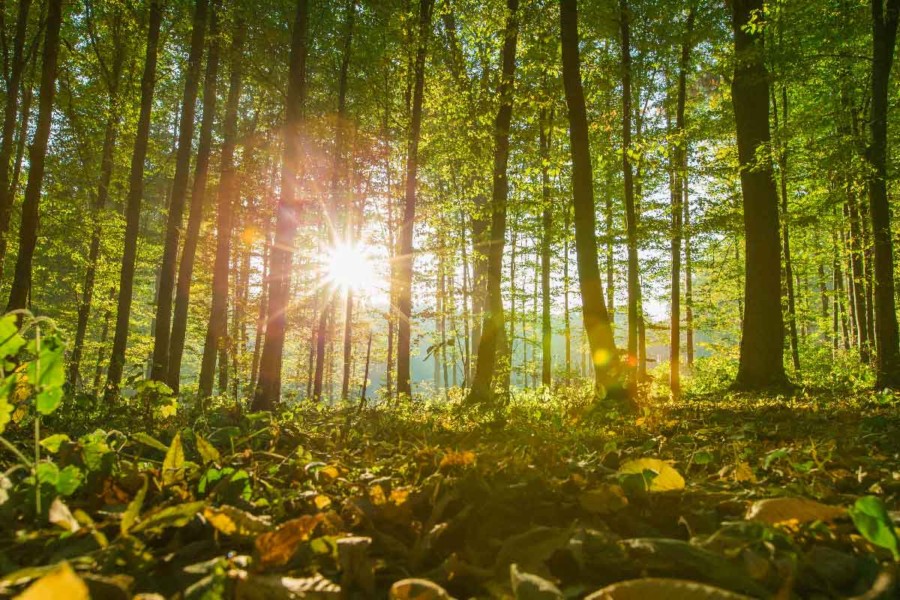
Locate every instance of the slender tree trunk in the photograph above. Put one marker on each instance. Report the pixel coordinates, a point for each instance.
(163, 323)
(546, 243)
(688, 273)
(198, 198)
(567, 324)
(268, 387)
(762, 337)
(21, 286)
(405, 255)
(884, 33)
(466, 297)
(604, 355)
(857, 277)
(492, 330)
(226, 200)
(133, 205)
(10, 112)
(113, 76)
(785, 227)
(261, 314)
(679, 172)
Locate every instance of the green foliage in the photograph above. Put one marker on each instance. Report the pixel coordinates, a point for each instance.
(873, 521)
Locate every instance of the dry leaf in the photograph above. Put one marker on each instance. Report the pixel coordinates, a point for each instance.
(454, 458)
(277, 547)
(603, 500)
(743, 472)
(418, 589)
(652, 588)
(61, 515)
(234, 521)
(800, 510)
(667, 478)
(61, 582)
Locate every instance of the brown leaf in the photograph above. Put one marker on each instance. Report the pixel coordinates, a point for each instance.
(663, 589)
(798, 510)
(277, 547)
(602, 500)
(418, 589)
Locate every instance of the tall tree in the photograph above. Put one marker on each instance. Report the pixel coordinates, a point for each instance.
(604, 355)
(762, 333)
(268, 385)
(885, 14)
(198, 198)
(21, 286)
(546, 124)
(163, 322)
(405, 252)
(226, 198)
(133, 204)
(492, 330)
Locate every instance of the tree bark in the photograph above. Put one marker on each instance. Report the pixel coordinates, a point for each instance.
(546, 123)
(604, 355)
(226, 199)
(492, 329)
(21, 286)
(163, 322)
(268, 387)
(405, 255)
(133, 205)
(884, 33)
(198, 199)
(762, 336)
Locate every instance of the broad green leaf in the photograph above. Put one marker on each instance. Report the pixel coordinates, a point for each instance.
(171, 516)
(173, 465)
(207, 451)
(873, 521)
(703, 457)
(47, 374)
(93, 448)
(61, 582)
(131, 514)
(10, 340)
(666, 479)
(53, 442)
(149, 440)
(69, 480)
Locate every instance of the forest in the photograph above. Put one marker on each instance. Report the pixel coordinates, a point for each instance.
(433, 299)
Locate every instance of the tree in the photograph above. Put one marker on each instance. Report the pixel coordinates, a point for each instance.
(163, 324)
(762, 334)
(405, 251)
(268, 385)
(133, 204)
(28, 232)
(604, 356)
(885, 15)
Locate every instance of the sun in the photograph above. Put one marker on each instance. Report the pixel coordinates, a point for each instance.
(348, 266)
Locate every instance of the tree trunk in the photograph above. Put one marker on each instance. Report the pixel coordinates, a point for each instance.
(688, 274)
(546, 122)
(596, 319)
(21, 286)
(226, 200)
(198, 198)
(112, 77)
(492, 330)
(567, 323)
(884, 33)
(679, 172)
(163, 323)
(405, 255)
(268, 387)
(10, 112)
(133, 205)
(762, 337)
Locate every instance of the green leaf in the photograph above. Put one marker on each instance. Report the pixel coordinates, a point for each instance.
(703, 457)
(48, 400)
(47, 374)
(149, 440)
(131, 514)
(872, 520)
(10, 340)
(171, 516)
(52, 443)
(173, 465)
(69, 480)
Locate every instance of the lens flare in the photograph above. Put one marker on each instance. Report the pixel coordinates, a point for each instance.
(349, 266)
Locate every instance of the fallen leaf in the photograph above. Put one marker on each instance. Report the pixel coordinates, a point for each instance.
(667, 478)
(234, 521)
(275, 548)
(527, 586)
(60, 514)
(603, 500)
(417, 589)
(663, 589)
(61, 582)
(251, 586)
(801, 510)
(743, 472)
(454, 458)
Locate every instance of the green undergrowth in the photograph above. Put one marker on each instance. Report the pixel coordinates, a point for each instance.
(219, 503)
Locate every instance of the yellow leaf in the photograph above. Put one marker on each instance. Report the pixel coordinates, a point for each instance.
(277, 547)
(743, 472)
(330, 472)
(657, 588)
(322, 501)
(776, 511)
(234, 521)
(173, 465)
(61, 582)
(667, 478)
(377, 495)
(399, 496)
(454, 458)
(207, 451)
(603, 500)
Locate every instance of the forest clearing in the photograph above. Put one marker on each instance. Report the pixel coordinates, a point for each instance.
(432, 299)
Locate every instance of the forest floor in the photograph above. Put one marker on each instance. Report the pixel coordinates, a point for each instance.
(547, 499)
